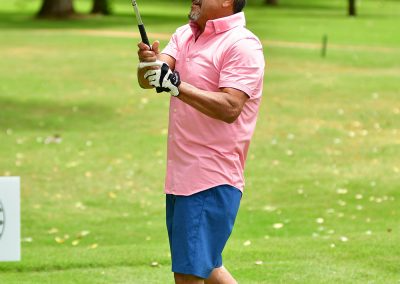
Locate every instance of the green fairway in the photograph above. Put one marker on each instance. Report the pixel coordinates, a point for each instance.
(322, 196)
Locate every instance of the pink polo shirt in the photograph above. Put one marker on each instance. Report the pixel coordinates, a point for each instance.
(204, 152)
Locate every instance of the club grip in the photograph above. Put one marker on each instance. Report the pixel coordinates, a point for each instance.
(143, 35)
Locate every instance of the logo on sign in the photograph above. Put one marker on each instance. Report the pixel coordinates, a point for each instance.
(2, 219)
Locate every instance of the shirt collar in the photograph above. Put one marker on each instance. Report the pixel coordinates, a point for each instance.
(221, 25)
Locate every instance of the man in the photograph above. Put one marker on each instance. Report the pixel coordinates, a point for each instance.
(213, 68)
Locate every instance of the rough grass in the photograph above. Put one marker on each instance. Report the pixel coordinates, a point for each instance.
(325, 125)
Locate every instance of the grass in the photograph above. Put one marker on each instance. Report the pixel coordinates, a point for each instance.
(324, 125)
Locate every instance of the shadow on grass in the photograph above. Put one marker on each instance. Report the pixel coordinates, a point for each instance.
(50, 115)
(26, 21)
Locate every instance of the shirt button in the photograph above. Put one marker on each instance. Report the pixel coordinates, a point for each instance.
(174, 109)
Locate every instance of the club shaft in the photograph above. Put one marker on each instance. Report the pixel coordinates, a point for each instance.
(141, 27)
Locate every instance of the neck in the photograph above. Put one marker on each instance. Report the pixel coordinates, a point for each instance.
(222, 14)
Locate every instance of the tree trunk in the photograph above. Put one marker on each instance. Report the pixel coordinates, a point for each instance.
(56, 8)
(101, 7)
(352, 8)
(271, 2)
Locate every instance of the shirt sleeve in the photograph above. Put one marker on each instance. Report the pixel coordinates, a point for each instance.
(172, 47)
(243, 67)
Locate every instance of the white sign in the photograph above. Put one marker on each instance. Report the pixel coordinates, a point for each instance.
(10, 238)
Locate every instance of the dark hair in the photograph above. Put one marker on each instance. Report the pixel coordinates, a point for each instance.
(238, 5)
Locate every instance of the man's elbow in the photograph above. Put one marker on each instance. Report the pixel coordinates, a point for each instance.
(232, 116)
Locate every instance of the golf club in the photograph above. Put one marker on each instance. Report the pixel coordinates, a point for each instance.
(142, 30)
(144, 37)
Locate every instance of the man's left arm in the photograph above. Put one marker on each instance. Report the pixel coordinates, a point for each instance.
(225, 105)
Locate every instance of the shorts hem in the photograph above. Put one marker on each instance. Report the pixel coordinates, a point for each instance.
(200, 274)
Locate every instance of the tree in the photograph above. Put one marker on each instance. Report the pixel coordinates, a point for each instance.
(352, 8)
(101, 7)
(271, 2)
(56, 8)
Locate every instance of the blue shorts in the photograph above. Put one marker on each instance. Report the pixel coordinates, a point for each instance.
(199, 226)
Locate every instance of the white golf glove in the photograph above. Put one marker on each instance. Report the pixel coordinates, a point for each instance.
(164, 80)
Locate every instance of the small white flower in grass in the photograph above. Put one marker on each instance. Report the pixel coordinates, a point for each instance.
(330, 210)
(342, 203)
(340, 214)
(247, 243)
(154, 264)
(368, 220)
(59, 240)
(375, 96)
(289, 152)
(340, 111)
(144, 100)
(269, 208)
(315, 235)
(27, 240)
(75, 243)
(89, 143)
(369, 232)
(331, 232)
(337, 141)
(379, 200)
(266, 237)
(258, 262)
(290, 136)
(52, 231)
(344, 239)
(359, 207)
(277, 226)
(319, 220)
(359, 196)
(94, 246)
(80, 205)
(364, 132)
(300, 191)
(332, 245)
(83, 234)
(352, 134)
(341, 191)
(275, 162)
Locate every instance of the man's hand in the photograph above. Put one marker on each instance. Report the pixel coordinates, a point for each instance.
(164, 79)
(146, 54)
(148, 60)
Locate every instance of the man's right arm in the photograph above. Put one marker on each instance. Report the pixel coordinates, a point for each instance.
(147, 55)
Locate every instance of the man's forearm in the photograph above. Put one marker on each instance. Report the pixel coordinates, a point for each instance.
(218, 105)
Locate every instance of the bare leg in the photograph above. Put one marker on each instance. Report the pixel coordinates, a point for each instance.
(187, 279)
(220, 276)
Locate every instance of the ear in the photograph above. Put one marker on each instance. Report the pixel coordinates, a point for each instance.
(227, 3)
